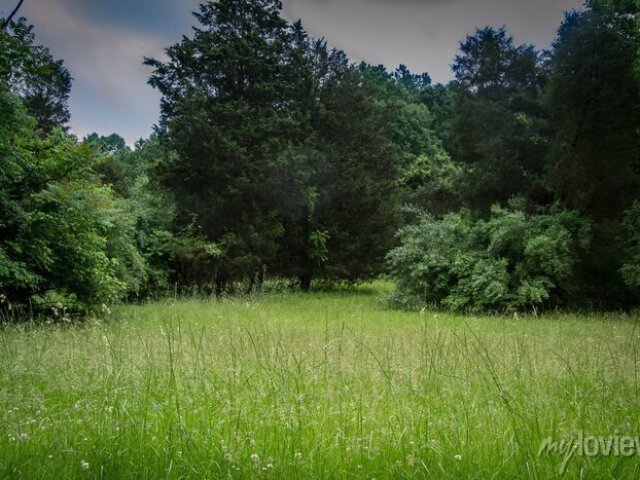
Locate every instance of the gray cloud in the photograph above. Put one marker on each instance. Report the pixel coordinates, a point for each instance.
(424, 35)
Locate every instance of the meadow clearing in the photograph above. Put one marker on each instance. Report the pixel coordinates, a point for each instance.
(320, 385)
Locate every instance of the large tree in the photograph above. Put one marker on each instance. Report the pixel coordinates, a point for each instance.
(289, 158)
(594, 99)
(227, 112)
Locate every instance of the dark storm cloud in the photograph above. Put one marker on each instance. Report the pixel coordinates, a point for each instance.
(103, 42)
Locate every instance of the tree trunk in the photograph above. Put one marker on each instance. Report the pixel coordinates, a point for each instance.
(305, 282)
(221, 284)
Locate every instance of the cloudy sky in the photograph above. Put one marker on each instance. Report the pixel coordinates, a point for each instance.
(103, 42)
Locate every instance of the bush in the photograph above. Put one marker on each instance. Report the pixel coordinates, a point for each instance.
(512, 261)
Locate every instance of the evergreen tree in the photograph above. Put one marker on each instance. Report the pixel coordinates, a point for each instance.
(499, 127)
(594, 99)
(226, 111)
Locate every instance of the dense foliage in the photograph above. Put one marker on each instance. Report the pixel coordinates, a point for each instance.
(511, 261)
(287, 155)
(275, 156)
(62, 235)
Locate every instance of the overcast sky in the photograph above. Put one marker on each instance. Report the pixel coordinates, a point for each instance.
(103, 42)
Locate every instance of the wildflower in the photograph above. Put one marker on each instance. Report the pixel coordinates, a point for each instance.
(24, 436)
(458, 458)
(255, 458)
(84, 465)
(297, 456)
(269, 466)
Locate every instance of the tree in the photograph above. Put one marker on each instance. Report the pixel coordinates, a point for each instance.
(490, 65)
(32, 73)
(226, 111)
(288, 158)
(150, 212)
(359, 204)
(594, 96)
(64, 240)
(594, 100)
(114, 155)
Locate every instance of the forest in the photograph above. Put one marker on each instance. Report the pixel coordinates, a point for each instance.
(276, 159)
(318, 268)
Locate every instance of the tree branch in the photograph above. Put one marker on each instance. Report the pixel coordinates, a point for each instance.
(7, 21)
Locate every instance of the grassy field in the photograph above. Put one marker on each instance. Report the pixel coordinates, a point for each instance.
(325, 385)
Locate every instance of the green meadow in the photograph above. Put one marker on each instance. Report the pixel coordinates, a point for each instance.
(319, 385)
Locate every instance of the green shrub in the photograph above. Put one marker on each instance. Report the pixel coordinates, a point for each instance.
(511, 261)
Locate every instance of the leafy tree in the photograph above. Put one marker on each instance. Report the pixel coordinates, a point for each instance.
(114, 154)
(29, 70)
(440, 100)
(490, 65)
(150, 212)
(62, 241)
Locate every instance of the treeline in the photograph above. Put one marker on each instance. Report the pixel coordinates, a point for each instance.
(514, 187)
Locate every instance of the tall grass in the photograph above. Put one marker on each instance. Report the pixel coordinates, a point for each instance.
(325, 385)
